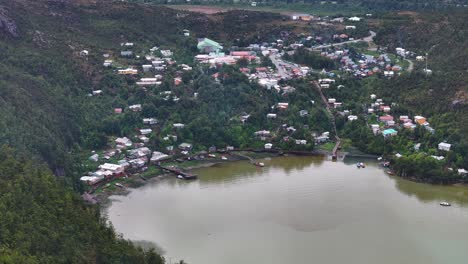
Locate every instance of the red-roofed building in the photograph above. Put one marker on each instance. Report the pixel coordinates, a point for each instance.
(240, 53)
(261, 69)
(386, 118)
(118, 110)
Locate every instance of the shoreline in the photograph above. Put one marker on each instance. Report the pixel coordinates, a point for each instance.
(136, 180)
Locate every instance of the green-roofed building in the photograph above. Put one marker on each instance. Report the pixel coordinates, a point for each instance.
(389, 132)
(207, 45)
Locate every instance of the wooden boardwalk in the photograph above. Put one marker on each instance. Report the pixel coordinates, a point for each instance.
(332, 120)
(177, 171)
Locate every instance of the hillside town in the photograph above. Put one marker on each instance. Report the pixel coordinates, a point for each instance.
(130, 154)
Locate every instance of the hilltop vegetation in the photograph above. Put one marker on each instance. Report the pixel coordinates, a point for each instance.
(42, 221)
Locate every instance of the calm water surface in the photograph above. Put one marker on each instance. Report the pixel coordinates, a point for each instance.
(297, 210)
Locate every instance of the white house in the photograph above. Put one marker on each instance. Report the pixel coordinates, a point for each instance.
(271, 116)
(268, 146)
(146, 131)
(354, 19)
(444, 146)
(352, 117)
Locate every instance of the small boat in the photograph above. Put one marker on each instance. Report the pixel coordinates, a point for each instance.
(223, 158)
(362, 165)
(259, 164)
(358, 165)
(119, 185)
(445, 204)
(180, 177)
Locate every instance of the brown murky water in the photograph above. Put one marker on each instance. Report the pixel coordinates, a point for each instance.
(297, 210)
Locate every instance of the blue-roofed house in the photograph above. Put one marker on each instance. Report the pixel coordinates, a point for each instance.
(389, 132)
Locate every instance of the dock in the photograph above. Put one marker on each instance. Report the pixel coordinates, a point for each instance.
(332, 120)
(178, 171)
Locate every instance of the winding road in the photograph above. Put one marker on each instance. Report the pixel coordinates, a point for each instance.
(367, 39)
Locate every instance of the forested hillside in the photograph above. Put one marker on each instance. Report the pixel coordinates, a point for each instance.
(46, 114)
(444, 93)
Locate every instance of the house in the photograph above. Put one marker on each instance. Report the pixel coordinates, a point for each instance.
(150, 121)
(444, 146)
(115, 169)
(331, 100)
(370, 110)
(350, 27)
(268, 146)
(352, 117)
(148, 81)
(166, 53)
(404, 118)
(158, 156)
(135, 107)
(417, 146)
(207, 45)
(263, 133)
(354, 19)
(462, 172)
(185, 146)
(128, 71)
(283, 106)
(177, 81)
(186, 33)
(303, 113)
(126, 53)
(138, 163)
(375, 128)
(389, 132)
(124, 141)
(97, 92)
(178, 125)
(139, 152)
(420, 120)
(147, 67)
(271, 116)
(146, 131)
(107, 63)
(84, 53)
(301, 142)
(117, 110)
(91, 180)
(94, 157)
(385, 118)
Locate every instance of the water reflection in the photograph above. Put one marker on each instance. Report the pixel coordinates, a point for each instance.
(432, 193)
(292, 210)
(230, 173)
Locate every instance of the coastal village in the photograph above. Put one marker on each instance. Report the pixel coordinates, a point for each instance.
(131, 155)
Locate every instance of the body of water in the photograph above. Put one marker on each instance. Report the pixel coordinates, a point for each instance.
(297, 210)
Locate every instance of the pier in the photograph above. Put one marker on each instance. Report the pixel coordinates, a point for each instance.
(332, 121)
(177, 171)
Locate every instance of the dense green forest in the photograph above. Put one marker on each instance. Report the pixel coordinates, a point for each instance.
(43, 221)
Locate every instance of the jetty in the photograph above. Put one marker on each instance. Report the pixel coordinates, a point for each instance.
(332, 121)
(179, 172)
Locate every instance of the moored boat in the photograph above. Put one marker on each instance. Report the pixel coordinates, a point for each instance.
(445, 204)
(259, 164)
